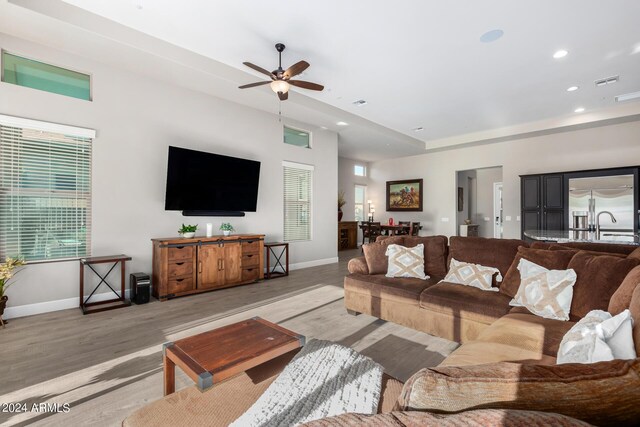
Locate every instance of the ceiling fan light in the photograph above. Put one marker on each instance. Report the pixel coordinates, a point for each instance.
(279, 86)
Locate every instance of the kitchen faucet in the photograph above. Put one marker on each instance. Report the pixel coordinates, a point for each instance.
(613, 220)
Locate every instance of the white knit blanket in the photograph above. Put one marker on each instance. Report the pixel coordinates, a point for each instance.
(324, 379)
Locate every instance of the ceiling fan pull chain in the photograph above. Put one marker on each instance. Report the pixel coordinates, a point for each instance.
(280, 111)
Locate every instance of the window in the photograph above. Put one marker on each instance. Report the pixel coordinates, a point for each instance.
(45, 190)
(297, 201)
(38, 75)
(359, 202)
(359, 170)
(297, 137)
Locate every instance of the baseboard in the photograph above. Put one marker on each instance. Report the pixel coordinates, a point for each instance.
(49, 306)
(314, 263)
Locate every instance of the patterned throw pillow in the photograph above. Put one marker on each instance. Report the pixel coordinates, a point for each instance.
(406, 262)
(598, 337)
(545, 293)
(475, 275)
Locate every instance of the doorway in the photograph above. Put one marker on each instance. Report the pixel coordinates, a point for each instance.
(479, 195)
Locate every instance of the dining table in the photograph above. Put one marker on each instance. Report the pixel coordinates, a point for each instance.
(393, 230)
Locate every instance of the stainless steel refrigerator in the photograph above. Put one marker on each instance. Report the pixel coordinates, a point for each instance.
(607, 200)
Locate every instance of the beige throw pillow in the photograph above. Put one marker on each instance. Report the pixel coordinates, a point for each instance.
(406, 262)
(475, 275)
(545, 293)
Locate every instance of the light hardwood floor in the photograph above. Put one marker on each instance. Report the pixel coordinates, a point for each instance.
(105, 365)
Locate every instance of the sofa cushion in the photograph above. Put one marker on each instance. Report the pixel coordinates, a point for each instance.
(405, 290)
(435, 253)
(527, 331)
(478, 276)
(550, 260)
(604, 393)
(406, 262)
(618, 248)
(598, 278)
(498, 253)
(358, 265)
(541, 245)
(621, 298)
(566, 248)
(476, 418)
(465, 302)
(635, 253)
(375, 254)
(634, 308)
(478, 353)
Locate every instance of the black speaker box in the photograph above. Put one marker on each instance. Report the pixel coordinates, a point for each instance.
(139, 288)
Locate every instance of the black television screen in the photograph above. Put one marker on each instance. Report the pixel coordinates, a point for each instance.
(199, 181)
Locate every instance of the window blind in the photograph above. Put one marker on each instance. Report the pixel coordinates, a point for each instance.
(45, 190)
(297, 201)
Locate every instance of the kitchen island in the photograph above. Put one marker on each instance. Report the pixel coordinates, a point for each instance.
(564, 236)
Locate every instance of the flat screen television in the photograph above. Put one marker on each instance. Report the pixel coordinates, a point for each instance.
(200, 183)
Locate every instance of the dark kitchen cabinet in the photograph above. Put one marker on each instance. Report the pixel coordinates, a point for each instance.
(542, 202)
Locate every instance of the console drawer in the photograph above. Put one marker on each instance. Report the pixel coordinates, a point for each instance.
(250, 260)
(178, 268)
(181, 252)
(250, 274)
(180, 284)
(251, 247)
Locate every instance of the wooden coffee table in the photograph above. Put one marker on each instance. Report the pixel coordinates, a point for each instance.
(213, 356)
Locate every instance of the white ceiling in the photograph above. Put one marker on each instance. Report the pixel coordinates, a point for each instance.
(416, 62)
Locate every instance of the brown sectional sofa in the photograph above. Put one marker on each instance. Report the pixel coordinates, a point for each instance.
(491, 332)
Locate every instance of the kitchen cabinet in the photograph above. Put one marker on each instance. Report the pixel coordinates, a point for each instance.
(542, 202)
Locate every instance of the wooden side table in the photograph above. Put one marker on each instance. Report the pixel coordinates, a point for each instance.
(273, 272)
(213, 356)
(120, 300)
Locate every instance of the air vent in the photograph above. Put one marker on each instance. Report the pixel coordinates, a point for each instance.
(359, 102)
(607, 81)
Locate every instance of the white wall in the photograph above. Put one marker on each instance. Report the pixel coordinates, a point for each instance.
(136, 120)
(600, 147)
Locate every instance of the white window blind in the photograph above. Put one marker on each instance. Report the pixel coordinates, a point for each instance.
(298, 183)
(45, 190)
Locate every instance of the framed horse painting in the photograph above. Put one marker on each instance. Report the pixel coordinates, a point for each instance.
(404, 196)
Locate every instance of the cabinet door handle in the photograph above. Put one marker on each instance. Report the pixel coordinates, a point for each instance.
(179, 263)
(200, 267)
(179, 280)
(249, 256)
(222, 263)
(219, 264)
(179, 247)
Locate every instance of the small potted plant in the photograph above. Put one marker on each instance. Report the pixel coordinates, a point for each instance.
(226, 228)
(6, 273)
(188, 231)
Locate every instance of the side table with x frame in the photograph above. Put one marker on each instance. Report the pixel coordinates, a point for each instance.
(279, 269)
(120, 300)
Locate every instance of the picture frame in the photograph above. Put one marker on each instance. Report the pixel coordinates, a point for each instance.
(460, 199)
(404, 195)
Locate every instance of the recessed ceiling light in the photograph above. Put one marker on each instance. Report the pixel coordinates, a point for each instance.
(342, 123)
(491, 36)
(560, 54)
(418, 129)
(572, 88)
(359, 102)
(579, 110)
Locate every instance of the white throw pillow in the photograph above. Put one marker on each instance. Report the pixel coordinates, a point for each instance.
(545, 293)
(406, 262)
(476, 275)
(598, 337)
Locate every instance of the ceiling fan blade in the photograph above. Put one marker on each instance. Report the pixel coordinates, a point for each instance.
(283, 96)
(260, 69)
(295, 69)
(306, 85)
(254, 84)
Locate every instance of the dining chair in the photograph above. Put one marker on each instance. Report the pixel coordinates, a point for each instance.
(414, 229)
(374, 231)
(404, 230)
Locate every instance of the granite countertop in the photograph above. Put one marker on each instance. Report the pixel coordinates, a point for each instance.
(568, 236)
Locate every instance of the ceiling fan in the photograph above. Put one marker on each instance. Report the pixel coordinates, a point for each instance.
(280, 79)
